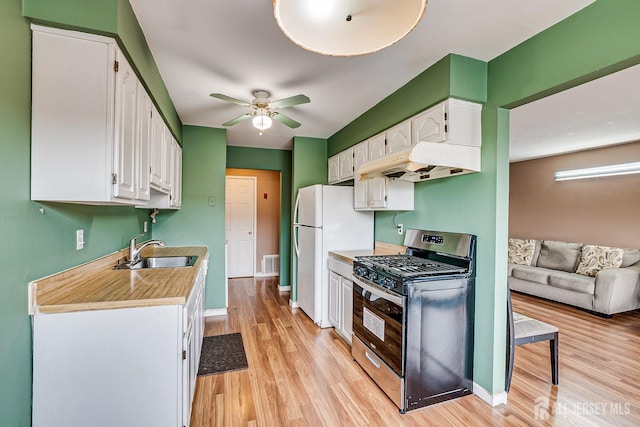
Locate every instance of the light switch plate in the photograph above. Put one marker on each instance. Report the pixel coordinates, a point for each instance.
(79, 239)
(145, 227)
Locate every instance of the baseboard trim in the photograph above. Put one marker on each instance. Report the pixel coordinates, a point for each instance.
(266, 274)
(491, 399)
(284, 288)
(294, 304)
(215, 312)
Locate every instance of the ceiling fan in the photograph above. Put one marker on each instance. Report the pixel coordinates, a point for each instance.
(264, 110)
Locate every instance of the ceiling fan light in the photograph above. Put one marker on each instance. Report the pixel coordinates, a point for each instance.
(261, 120)
(339, 28)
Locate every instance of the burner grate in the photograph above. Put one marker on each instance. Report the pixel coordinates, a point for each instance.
(408, 265)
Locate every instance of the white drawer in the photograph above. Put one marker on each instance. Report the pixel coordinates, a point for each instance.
(342, 268)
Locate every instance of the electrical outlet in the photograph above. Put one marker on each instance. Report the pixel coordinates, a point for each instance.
(79, 239)
(400, 229)
(145, 227)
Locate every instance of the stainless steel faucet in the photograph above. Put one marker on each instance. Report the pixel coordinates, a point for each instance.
(134, 253)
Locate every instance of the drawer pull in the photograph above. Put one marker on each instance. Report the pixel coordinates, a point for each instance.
(372, 360)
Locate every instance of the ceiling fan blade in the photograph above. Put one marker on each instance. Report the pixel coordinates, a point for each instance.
(238, 119)
(289, 102)
(285, 120)
(230, 99)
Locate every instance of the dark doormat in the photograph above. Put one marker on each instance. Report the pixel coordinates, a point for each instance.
(222, 353)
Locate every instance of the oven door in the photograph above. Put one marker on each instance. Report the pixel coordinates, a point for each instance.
(378, 320)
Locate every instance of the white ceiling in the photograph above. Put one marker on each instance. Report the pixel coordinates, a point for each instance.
(235, 47)
(602, 112)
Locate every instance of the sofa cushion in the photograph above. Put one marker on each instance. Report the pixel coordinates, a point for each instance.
(521, 251)
(595, 258)
(561, 256)
(532, 274)
(573, 282)
(630, 257)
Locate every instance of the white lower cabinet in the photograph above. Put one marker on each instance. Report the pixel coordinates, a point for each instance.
(121, 367)
(341, 298)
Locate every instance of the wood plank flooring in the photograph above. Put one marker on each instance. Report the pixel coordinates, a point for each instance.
(300, 375)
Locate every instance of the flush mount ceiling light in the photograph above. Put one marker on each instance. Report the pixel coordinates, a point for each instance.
(611, 170)
(347, 27)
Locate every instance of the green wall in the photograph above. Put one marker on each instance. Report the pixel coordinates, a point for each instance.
(113, 18)
(204, 158)
(309, 168)
(276, 160)
(35, 244)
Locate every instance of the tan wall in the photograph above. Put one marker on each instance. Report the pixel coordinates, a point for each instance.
(603, 211)
(268, 211)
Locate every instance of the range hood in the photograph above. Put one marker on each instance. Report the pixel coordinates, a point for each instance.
(424, 161)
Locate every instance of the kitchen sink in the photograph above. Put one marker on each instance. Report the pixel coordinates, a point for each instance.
(160, 262)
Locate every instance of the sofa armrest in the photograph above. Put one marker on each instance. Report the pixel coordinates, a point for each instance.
(617, 290)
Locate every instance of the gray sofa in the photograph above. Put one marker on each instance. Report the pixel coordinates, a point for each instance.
(603, 280)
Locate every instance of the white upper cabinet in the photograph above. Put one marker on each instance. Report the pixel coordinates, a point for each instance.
(360, 188)
(376, 147)
(333, 169)
(398, 137)
(126, 132)
(453, 121)
(431, 126)
(145, 108)
(346, 164)
(176, 185)
(94, 127)
(157, 151)
(340, 167)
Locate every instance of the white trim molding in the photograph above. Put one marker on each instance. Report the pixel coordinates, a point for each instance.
(284, 288)
(294, 304)
(491, 399)
(215, 312)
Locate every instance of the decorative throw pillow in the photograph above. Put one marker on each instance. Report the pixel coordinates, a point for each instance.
(630, 257)
(561, 256)
(521, 251)
(595, 258)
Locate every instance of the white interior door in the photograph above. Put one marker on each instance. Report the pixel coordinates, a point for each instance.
(240, 215)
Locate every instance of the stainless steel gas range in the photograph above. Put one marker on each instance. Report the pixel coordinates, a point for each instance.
(413, 318)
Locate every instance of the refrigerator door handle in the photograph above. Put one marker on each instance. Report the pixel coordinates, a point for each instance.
(295, 240)
(295, 209)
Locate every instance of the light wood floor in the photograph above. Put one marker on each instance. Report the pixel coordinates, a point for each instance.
(300, 375)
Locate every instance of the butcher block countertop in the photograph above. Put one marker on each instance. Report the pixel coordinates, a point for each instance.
(97, 286)
(381, 248)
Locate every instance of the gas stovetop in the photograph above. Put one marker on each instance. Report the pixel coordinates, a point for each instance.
(394, 272)
(409, 266)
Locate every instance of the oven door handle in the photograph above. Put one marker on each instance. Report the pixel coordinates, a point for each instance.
(399, 301)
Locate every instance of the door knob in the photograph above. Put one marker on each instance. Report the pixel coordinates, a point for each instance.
(251, 232)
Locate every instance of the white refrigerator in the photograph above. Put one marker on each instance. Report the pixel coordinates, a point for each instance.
(325, 220)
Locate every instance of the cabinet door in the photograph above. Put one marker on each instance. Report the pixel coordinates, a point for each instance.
(334, 169)
(167, 159)
(431, 126)
(176, 188)
(360, 188)
(376, 147)
(334, 299)
(346, 287)
(125, 169)
(399, 137)
(377, 192)
(189, 373)
(156, 149)
(346, 164)
(144, 141)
